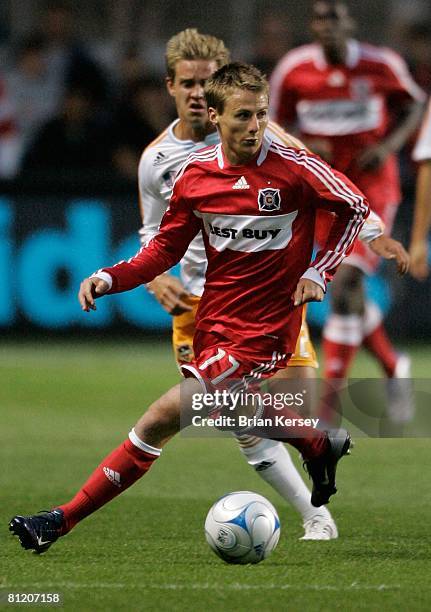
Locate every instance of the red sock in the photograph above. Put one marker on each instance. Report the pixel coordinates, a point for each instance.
(378, 343)
(342, 336)
(118, 471)
(376, 339)
(338, 357)
(310, 442)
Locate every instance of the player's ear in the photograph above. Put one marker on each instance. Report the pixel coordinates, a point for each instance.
(213, 115)
(170, 86)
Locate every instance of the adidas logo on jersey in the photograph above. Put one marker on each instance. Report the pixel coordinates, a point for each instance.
(241, 184)
(114, 477)
(160, 157)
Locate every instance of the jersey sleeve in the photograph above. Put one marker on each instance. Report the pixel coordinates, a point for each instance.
(153, 201)
(422, 149)
(330, 190)
(373, 228)
(399, 83)
(178, 228)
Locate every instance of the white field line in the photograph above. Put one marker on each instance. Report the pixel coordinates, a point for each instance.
(206, 586)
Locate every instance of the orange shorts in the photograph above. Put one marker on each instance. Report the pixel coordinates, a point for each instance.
(183, 329)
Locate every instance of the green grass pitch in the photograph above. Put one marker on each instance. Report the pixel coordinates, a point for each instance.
(64, 406)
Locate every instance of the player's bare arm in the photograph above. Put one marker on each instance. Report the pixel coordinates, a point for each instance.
(170, 293)
(373, 157)
(419, 267)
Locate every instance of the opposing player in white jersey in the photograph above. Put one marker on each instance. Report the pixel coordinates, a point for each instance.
(191, 58)
(422, 218)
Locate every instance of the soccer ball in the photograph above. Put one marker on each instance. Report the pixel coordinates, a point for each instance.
(242, 527)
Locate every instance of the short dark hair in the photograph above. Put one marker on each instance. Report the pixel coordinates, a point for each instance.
(235, 75)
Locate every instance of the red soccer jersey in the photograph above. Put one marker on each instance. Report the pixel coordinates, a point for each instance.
(257, 222)
(350, 107)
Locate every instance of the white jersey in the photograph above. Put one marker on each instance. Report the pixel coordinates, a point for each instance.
(160, 162)
(158, 167)
(422, 150)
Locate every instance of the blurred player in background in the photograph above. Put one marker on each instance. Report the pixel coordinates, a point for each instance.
(345, 99)
(419, 250)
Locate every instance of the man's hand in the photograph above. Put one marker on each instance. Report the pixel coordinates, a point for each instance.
(419, 267)
(307, 291)
(373, 157)
(388, 248)
(169, 292)
(90, 289)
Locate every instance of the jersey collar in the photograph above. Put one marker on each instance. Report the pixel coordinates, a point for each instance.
(210, 139)
(353, 55)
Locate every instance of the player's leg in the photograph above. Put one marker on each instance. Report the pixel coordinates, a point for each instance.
(117, 472)
(342, 337)
(397, 366)
(376, 340)
(133, 458)
(343, 331)
(218, 357)
(269, 458)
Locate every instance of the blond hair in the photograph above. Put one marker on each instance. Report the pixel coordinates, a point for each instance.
(192, 45)
(233, 76)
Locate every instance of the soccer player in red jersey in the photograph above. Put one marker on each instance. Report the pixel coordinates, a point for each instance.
(191, 57)
(259, 243)
(355, 105)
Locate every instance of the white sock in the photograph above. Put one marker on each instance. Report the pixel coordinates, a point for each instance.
(344, 329)
(372, 318)
(273, 463)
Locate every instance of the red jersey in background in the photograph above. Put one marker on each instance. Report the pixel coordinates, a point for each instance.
(350, 106)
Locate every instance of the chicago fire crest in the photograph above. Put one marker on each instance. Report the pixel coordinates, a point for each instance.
(269, 199)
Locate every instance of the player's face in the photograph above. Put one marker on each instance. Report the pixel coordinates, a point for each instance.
(331, 23)
(242, 124)
(187, 89)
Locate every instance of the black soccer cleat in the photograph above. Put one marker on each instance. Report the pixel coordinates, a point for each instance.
(322, 469)
(39, 531)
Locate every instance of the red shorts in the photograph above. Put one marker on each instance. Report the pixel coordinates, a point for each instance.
(222, 363)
